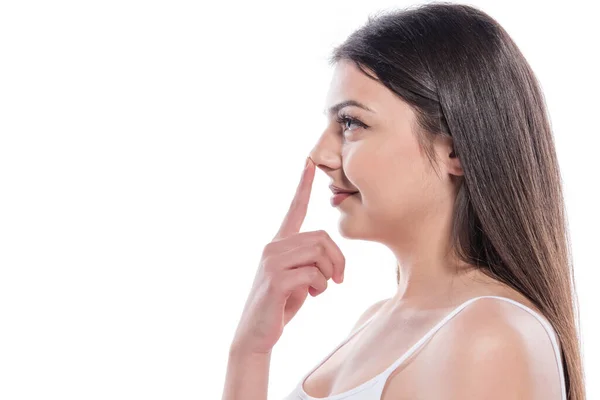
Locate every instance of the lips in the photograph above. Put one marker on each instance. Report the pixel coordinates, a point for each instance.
(338, 198)
(344, 191)
(338, 190)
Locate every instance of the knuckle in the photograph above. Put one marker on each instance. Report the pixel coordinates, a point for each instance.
(321, 250)
(322, 284)
(313, 272)
(317, 234)
(325, 268)
(329, 268)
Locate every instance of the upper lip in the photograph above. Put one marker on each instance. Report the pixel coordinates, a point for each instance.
(337, 190)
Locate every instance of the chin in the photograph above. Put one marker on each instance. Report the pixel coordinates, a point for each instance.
(349, 227)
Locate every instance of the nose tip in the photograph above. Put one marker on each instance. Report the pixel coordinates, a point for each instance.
(317, 164)
(314, 158)
(318, 158)
(325, 156)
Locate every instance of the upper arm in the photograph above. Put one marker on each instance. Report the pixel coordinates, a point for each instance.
(499, 351)
(491, 362)
(368, 313)
(492, 350)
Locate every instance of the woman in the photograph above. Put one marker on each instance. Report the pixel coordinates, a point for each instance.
(438, 127)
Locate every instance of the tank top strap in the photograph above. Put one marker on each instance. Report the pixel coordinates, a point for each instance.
(550, 331)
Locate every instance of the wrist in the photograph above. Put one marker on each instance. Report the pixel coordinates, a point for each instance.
(238, 350)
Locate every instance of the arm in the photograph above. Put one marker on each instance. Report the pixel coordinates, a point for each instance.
(247, 375)
(493, 364)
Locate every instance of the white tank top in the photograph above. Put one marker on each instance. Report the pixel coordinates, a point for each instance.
(373, 388)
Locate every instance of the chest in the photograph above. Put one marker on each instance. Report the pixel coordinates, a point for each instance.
(370, 353)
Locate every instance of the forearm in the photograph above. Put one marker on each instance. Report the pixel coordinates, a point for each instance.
(247, 375)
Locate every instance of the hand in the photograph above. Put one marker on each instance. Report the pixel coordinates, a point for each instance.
(292, 265)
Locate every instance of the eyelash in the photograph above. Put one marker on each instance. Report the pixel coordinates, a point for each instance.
(345, 118)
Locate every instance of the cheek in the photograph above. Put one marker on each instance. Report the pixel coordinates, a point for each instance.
(390, 179)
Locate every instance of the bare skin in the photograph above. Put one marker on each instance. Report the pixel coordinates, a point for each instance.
(491, 350)
(292, 266)
(403, 204)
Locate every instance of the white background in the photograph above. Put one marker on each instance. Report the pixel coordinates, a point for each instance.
(148, 152)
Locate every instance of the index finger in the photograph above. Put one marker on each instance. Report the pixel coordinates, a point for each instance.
(297, 212)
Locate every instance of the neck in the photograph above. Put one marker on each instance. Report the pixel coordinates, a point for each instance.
(429, 270)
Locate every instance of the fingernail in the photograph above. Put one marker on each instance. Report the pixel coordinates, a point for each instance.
(307, 161)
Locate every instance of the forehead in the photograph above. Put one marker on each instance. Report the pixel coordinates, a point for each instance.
(350, 83)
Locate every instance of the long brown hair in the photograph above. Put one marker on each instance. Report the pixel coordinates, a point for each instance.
(466, 78)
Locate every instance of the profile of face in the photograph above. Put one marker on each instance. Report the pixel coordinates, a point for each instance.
(376, 152)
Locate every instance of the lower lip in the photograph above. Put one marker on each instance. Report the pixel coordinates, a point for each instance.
(336, 199)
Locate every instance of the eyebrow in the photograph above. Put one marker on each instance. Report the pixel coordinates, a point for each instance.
(334, 109)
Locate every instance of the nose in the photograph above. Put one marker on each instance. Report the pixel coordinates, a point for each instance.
(326, 153)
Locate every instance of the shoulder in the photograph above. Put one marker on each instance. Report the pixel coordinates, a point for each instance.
(497, 350)
(368, 313)
(491, 349)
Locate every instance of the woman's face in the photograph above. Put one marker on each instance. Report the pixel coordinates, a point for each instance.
(397, 187)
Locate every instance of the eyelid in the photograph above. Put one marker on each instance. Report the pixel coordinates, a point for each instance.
(345, 117)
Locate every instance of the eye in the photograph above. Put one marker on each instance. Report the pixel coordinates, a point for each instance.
(345, 119)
